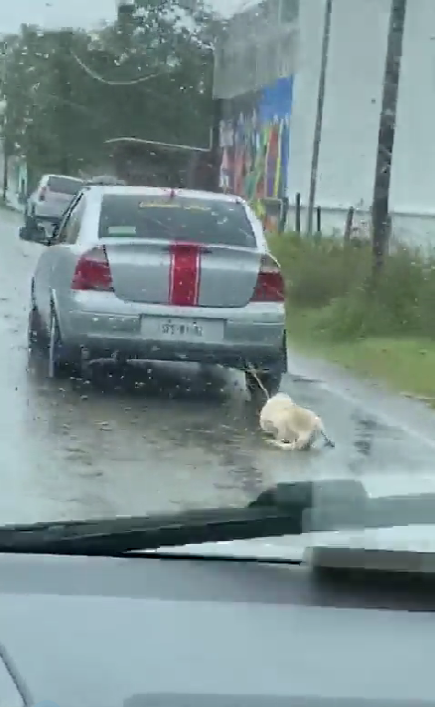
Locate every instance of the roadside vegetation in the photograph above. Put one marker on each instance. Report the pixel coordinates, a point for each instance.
(386, 333)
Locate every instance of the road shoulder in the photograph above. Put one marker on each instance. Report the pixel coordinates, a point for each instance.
(413, 417)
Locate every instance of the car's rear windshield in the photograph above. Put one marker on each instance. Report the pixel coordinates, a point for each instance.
(63, 185)
(207, 221)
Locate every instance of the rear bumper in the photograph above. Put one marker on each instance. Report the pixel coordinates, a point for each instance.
(230, 357)
(255, 333)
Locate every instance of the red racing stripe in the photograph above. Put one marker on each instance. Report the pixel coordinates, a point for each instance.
(184, 274)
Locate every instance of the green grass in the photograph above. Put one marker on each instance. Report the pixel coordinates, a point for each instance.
(406, 365)
(387, 334)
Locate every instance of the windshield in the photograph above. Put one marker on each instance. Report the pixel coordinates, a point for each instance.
(257, 218)
(63, 185)
(189, 219)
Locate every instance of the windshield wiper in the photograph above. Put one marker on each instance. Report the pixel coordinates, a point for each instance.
(287, 509)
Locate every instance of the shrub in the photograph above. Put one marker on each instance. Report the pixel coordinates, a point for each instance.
(319, 270)
(329, 275)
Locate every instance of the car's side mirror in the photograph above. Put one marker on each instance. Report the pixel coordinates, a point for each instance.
(33, 234)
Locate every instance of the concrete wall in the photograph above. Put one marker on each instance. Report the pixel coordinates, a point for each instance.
(254, 142)
(352, 100)
(413, 177)
(353, 91)
(353, 95)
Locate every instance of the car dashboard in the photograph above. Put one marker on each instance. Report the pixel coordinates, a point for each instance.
(150, 631)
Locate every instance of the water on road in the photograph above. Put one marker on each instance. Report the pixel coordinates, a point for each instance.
(171, 436)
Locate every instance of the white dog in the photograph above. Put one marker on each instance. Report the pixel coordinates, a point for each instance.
(292, 427)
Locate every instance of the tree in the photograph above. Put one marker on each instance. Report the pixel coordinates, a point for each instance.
(149, 75)
(171, 44)
(50, 113)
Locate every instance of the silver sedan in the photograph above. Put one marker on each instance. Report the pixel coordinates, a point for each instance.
(52, 196)
(158, 274)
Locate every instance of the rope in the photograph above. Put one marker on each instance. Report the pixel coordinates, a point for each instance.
(253, 372)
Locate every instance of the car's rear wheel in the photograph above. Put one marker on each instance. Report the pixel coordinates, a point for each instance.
(38, 344)
(29, 213)
(34, 339)
(58, 363)
(54, 360)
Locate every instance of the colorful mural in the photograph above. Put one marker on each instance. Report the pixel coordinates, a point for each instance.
(255, 142)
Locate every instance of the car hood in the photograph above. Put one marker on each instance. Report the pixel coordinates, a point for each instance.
(134, 632)
(406, 539)
(419, 538)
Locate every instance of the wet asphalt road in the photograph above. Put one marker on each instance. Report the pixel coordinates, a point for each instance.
(173, 436)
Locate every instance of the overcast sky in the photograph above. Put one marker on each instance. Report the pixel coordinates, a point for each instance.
(84, 13)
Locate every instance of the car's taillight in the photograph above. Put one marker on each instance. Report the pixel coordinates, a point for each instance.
(42, 193)
(93, 271)
(270, 283)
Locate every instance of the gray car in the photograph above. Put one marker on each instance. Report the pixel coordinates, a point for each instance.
(52, 196)
(157, 274)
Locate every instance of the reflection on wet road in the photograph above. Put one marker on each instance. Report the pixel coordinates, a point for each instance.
(166, 436)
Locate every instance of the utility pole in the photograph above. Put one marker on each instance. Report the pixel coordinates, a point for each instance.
(319, 115)
(63, 110)
(125, 7)
(5, 120)
(5, 158)
(126, 23)
(125, 14)
(386, 135)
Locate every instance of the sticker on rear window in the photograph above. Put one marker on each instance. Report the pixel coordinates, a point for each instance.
(121, 230)
(169, 205)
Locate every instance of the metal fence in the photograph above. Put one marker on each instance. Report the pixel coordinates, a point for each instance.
(258, 46)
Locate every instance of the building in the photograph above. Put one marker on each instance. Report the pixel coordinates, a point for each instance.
(267, 77)
(254, 71)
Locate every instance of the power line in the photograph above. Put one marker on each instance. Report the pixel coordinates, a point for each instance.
(93, 74)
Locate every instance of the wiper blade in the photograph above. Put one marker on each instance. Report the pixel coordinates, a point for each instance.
(117, 536)
(287, 509)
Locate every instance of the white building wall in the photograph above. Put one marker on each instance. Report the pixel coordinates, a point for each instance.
(413, 175)
(353, 95)
(305, 88)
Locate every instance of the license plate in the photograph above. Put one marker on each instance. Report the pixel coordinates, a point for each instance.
(182, 329)
(171, 329)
